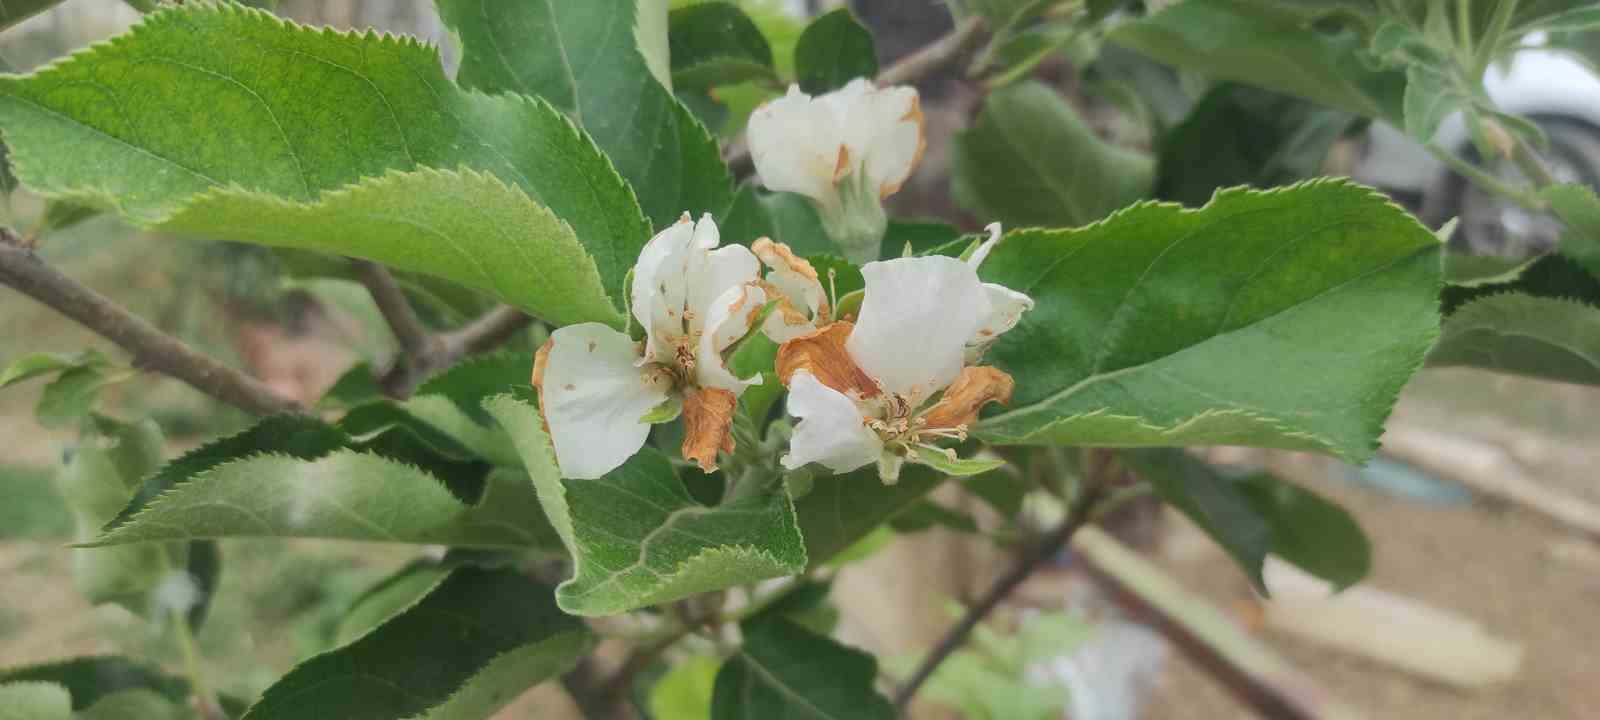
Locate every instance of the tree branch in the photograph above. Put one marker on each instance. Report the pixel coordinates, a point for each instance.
(488, 332)
(1078, 515)
(933, 57)
(391, 301)
(152, 349)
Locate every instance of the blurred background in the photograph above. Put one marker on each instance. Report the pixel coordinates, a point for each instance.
(1483, 512)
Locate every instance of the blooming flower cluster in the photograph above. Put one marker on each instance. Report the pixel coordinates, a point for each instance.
(846, 151)
(884, 386)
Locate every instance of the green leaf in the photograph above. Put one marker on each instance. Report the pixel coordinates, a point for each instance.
(841, 509)
(638, 538)
(1267, 46)
(34, 701)
(1253, 515)
(69, 397)
(1211, 501)
(583, 58)
(1543, 337)
(31, 366)
(226, 108)
(96, 483)
(1289, 318)
(925, 514)
(298, 477)
(1240, 135)
(956, 466)
(1308, 530)
(833, 50)
(136, 704)
(684, 693)
(1548, 276)
(1466, 270)
(1578, 207)
(1031, 160)
(715, 43)
(90, 679)
(16, 11)
(785, 670)
(466, 649)
(1432, 94)
(465, 226)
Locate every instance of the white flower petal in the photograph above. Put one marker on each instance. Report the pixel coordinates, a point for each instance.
(659, 290)
(1006, 307)
(982, 253)
(712, 274)
(915, 321)
(830, 431)
(803, 298)
(883, 130)
(593, 395)
(794, 144)
(727, 320)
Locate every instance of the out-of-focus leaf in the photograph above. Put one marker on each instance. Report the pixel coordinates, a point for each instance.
(34, 701)
(833, 50)
(90, 679)
(1543, 337)
(684, 693)
(842, 509)
(1210, 501)
(715, 43)
(1240, 135)
(1030, 160)
(1578, 207)
(1269, 46)
(473, 644)
(784, 670)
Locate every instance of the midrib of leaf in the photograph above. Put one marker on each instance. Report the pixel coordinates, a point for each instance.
(1061, 193)
(777, 684)
(1045, 405)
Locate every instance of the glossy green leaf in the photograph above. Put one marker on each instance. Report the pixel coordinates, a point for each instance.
(842, 509)
(298, 477)
(715, 43)
(222, 109)
(473, 644)
(833, 50)
(637, 537)
(1289, 318)
(92, 678)
(1239, 135)
(465, 226)
(1544, 337)
(1031, 160)
(583, 57)
(1269, 46)
(784, 670)
(34, 701)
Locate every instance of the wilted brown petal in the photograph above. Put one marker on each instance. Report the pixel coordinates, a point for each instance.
(707, 424)
(822, 353)
(973, 388)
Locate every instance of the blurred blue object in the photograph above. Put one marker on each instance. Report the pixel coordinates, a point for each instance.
(1393, 477)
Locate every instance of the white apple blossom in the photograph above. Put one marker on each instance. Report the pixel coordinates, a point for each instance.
(846, 150)
(597, 386)
(902, 376)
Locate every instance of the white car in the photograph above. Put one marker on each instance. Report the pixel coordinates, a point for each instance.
(1550, 87)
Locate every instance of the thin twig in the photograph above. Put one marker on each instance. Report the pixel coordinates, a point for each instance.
(935, 56)
(152, 349)
(1078, 515)
(391, 301)
(488, 332)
